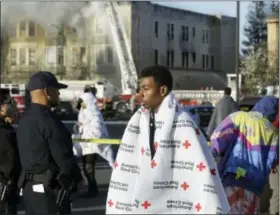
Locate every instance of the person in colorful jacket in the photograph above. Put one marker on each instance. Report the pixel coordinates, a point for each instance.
(247, 143)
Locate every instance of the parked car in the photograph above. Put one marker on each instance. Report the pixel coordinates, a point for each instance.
(248, 103)
(66, 111)
(201, 114)
(106, 107)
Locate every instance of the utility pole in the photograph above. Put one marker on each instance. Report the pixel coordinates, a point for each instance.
(237, 50)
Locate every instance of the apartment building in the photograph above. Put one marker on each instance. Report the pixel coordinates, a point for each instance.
(178, 39)
(182, 39)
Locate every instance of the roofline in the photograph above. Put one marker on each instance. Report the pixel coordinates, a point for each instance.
(189, 11)
(272, 19)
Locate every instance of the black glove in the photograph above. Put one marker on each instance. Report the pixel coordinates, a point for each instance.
(65, 182)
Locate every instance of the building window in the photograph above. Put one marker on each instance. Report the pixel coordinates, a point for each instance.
(32, 60)
(99, 55)
(170, 58)
(193, 57)
(207, 61)
(212, 62)
(13, 31)
(78, 56)
(22, 56)
(206, 37)
(211, 36)
(170, 31)
(156, 28)
(185, 59)
(13, 57)
(75, 56)
(185, 33)
(51, 55)
(99, 26)
(203, 61)
(31, 29)
(83, 55)
(22, 29)
(156, 57)
(203, 36)
(193, 31)
(109, 55)
(60, 56)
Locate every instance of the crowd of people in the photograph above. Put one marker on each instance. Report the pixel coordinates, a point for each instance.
(164, 164)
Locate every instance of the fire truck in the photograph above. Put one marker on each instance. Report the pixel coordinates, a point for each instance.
(105, 93)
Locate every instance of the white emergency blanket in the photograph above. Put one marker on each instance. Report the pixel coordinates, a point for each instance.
(91, 125)
(182, 178)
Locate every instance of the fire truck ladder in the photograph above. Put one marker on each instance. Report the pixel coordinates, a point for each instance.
(128, 70)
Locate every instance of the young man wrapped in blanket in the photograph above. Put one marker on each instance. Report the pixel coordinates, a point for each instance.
(164, 165)
(248, 145)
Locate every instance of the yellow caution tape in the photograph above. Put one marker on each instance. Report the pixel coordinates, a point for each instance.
(100, 141)
(106, 141)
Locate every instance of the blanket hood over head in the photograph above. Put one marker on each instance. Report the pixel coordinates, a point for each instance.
(182, 178)
(268, 107)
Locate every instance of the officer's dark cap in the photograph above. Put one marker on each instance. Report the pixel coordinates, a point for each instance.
(42, 80)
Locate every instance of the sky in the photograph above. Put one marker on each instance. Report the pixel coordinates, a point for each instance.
(214, 8)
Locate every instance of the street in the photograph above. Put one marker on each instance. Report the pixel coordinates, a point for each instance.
(84, 206)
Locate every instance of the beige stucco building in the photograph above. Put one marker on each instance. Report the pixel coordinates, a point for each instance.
(176, 38)
(273, 37)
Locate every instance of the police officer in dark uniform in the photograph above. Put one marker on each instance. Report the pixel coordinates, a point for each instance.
(46, 150)
(9, 157)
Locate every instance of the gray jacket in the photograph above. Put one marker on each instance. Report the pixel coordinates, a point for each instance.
(224, 107)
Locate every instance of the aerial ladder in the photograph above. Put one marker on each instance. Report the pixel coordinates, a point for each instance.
(128, 71)
(127, 66)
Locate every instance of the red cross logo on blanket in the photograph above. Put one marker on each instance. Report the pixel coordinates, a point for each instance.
(198, 207)
(185, 186)
(153, 163)
(116, 164)
(146, 204)
(110, 203)
(142, 150)
(213, 171)
(156, 145)
(187, 144)
(200, 166)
